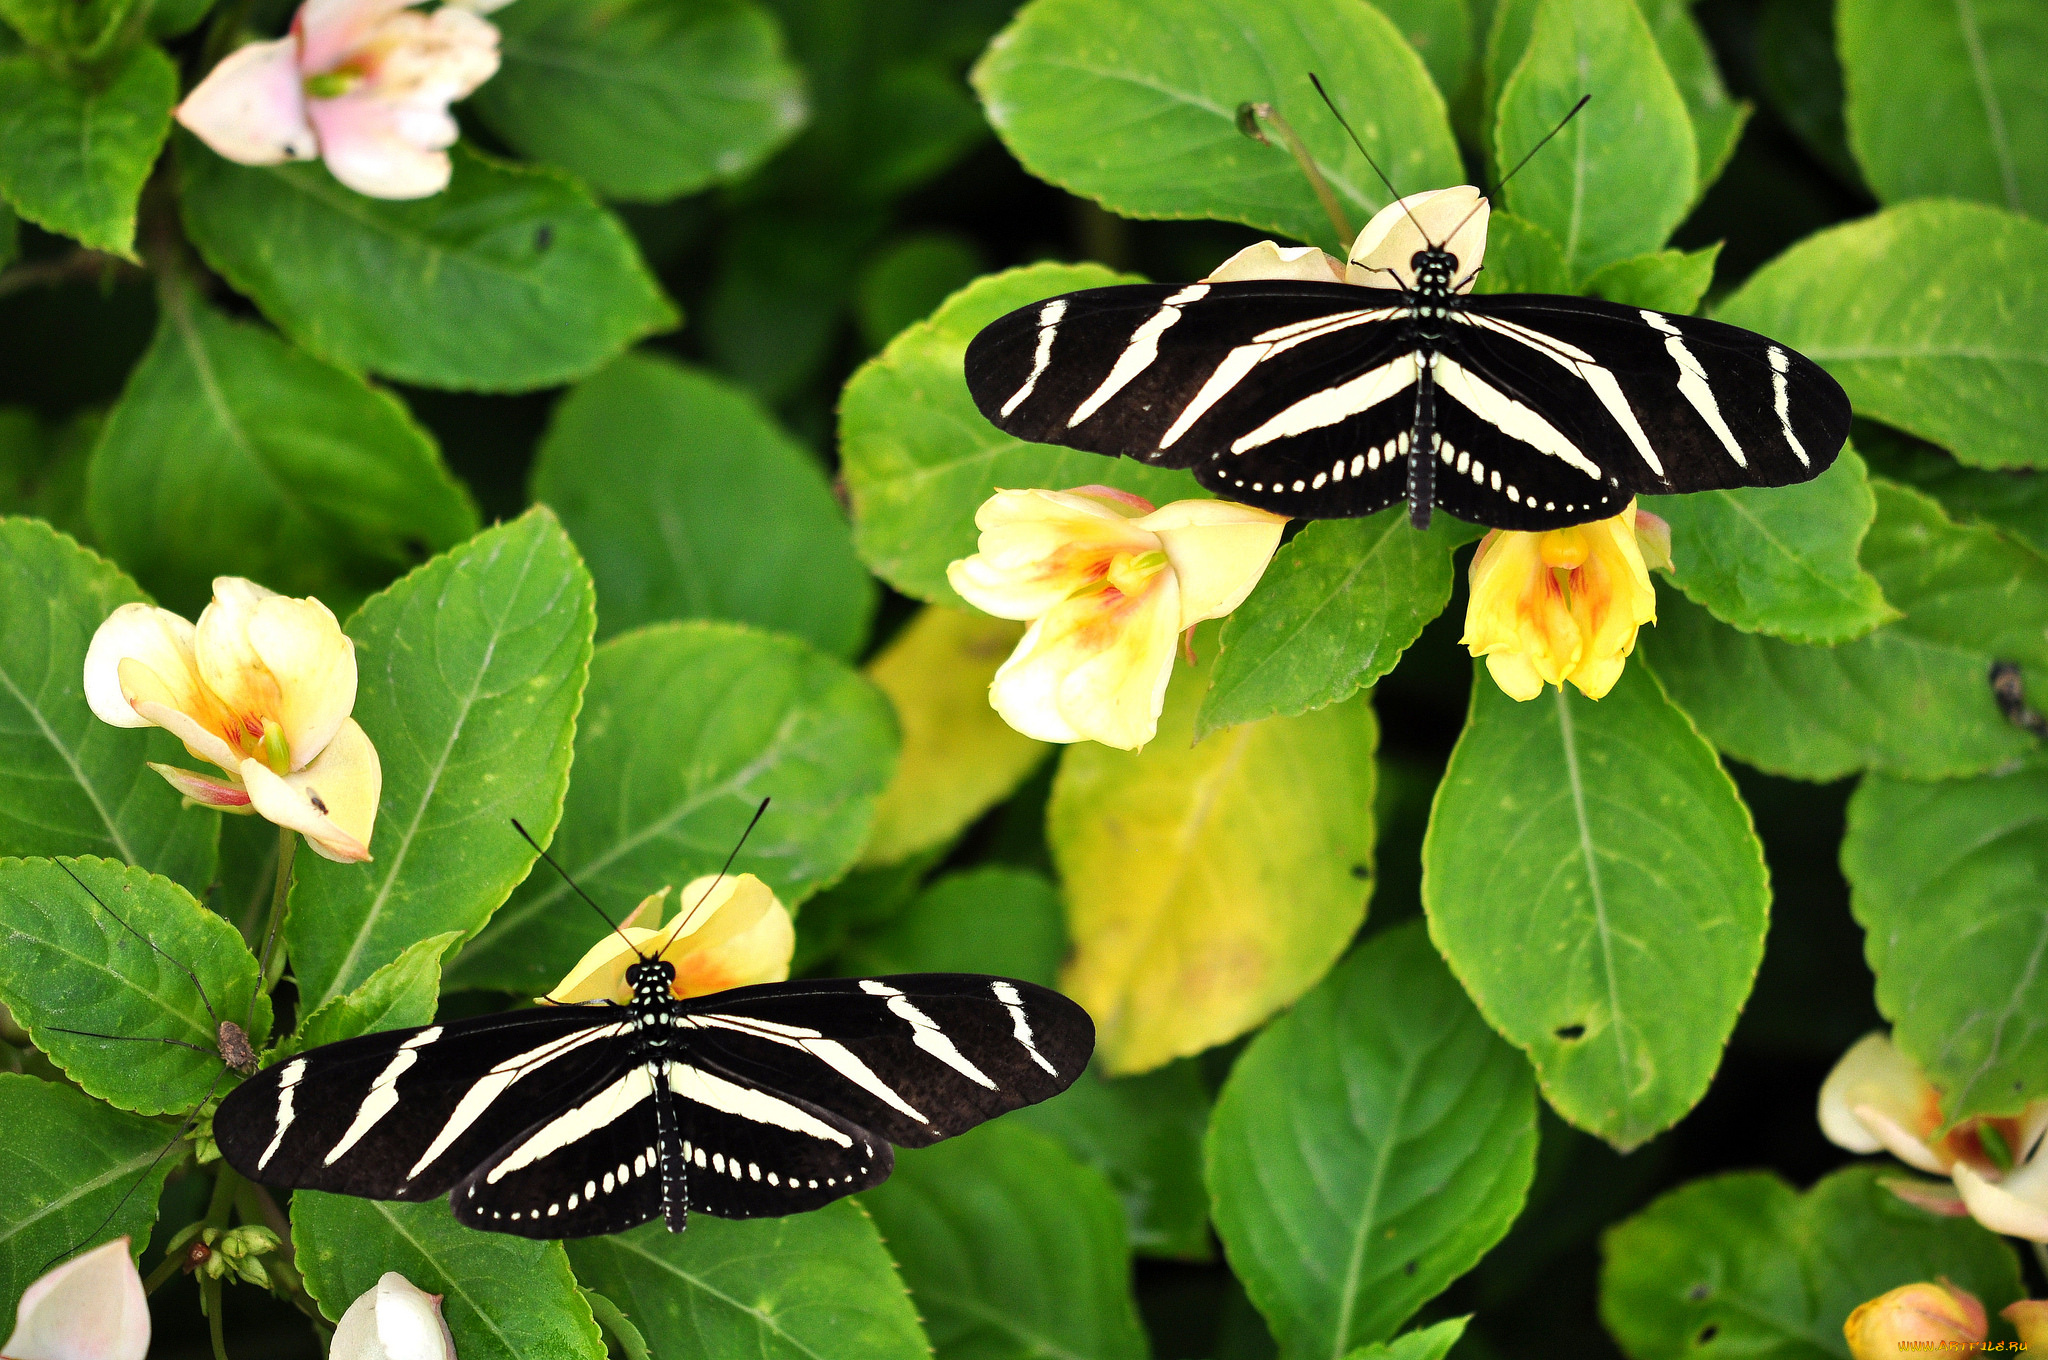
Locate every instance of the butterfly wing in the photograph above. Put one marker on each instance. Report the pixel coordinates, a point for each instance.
(407, 1113)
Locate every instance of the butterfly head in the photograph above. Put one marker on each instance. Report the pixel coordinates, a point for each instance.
(1434, 269)
(651, 979)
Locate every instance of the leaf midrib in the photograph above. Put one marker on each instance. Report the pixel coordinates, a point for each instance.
(767, 1322)
(127, 851)
(1616, 1021)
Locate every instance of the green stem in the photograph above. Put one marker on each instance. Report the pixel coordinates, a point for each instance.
(226, 1182)
(165, 1268)
(1249, 116)
(209, 1297)
(273, 968)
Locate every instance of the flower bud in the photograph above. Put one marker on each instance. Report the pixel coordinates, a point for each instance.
(1914, 1313)
(92, 1305)
(2029, 1317)
(393, 1321)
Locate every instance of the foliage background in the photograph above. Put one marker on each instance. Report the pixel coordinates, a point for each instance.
(696, 289)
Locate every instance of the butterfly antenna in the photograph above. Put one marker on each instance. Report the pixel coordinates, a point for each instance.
(196, 983)
(723, 868)
(1355, 141)
(576, 887)
(1583, 100)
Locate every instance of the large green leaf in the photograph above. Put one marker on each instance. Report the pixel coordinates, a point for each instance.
(232, 454)
(1441, 33)
(689, 501)
(1592, 876)
(510, 278)
(1717, 117)
(1012, 1249)
(69, 783)
(1666, 280)
(1210, 885)
(918, 458)
(1933, 316)
(1625, 171)
(1946, 884)
(1339, 604)
(1134, 103)
(69, 1167)
(1424, 1343)
(1948, 98)
(645, 99)
(1742, 1267)
(75, 149)
(2015, 500)
(174, 971)
(990, 919)
(797, 1288)
(1965, 586)
(403, 993)
(1145, 1134)
(472, 671)
(1781, 560)
(686, 728)
(1368, 1149)
(504, 1297)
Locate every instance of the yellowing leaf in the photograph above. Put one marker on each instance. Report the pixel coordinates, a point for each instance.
(1208, 886)
(959, 759)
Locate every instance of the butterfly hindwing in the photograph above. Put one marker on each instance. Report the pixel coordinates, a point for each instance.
(592, 1167)
(753, 1151)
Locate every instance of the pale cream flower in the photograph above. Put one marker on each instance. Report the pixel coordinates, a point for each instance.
(393, 1320)
(1877, 1100)
(90, 1308)
(1564, 604)
(1916, 1317)
(363, 84)
(1383, 255)
(262, 687)
(729, 931)
(1109, 583)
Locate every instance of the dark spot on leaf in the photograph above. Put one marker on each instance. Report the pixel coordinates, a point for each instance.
(1699, 1292)
(1707, 1333)
(1569, 1032)
(1361, 872)
(543, 236)
(417, 549)
(1408, 1269)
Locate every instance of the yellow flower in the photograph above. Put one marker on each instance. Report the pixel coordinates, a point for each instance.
(1915, 1313)
(262, 688)
(92, 1305)
(1877, 1100)
(1109, 584)
(1383, 254)
(1564, 604)
(2029, 1317)
(731, 932)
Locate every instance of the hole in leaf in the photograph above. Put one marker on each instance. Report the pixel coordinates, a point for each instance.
(1408, 1269)
(1360, 872)
(1569, 1032)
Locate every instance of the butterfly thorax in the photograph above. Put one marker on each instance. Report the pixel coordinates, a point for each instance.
(1432, 297)
(653, 1007)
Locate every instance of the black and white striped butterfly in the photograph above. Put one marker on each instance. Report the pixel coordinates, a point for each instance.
(1325, 400)
(569, 1121)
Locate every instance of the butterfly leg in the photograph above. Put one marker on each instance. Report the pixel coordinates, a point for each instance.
(675, 1168)
(1421, 438)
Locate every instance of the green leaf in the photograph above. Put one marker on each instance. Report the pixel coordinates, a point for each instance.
(67, 1163)
(232, 454)
(1962, 586)
(1717, 118)
(959, 757)
(918, 458)
(1440, 31)
(986, 920)
(70, 961)
(401, 994)
(510, 278)
(1368, 1149)
(797, 1288)
(689, 501)
(69, 783)
(1801, 76)
(1521, 257)
(1666, 281)
(686, 728)
(1210, 885)
(1145, 1134)
(1616, 181)
(1933, 316)
(473, 670)
(1959, 109)
(2014, 501)
(775, 315)
(1943, 879)
(1781, 560)
(1609, 835)
(1012, 1249)
(1889, 702)
(618, 1328)
(504, 1297)
(909, 278)
(1094, 97)
(1741, 1265)
(43, 464)
(74, 150)
(1339, 604)
(644, 99)
(1426, 1343)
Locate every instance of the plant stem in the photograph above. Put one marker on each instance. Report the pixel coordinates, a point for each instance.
(273, 969)
(226, 1182)
(209, 1295)
(1249, 116)
(165, 1268)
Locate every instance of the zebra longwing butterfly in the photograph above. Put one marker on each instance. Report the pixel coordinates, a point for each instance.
(570, 1121)
(1326, 400)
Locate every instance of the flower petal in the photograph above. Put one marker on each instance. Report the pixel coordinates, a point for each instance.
(228, 663)
(313, 665)
(600, 975)
(384, 149)
(1936, 1197)
(2029, 1317)
(1999, 1209)
(1219, 550)
(1265, 260)
(329, 31)
(218, 793)
(393, 1320)
(1387, 246)
(90, 1308)
(1095, 669)
(157, 638)
(251, 108)
(732, 932)
(1038, 547)
(1873, 1074)
(332, 802)
(164, 708)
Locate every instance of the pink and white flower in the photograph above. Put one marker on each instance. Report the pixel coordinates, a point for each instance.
(90, 1308)
(363, 84)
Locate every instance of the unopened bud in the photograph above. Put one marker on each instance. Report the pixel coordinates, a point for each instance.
(1914, 1313)
(2029, 1317)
